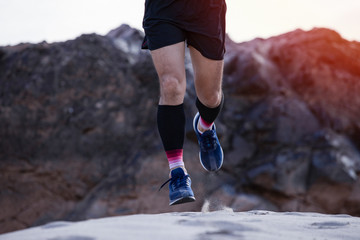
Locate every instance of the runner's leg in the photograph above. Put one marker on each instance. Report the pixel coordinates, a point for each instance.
(169, 64)
(208, 80)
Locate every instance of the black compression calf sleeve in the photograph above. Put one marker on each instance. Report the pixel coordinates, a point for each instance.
(171, 125)
(209, 114)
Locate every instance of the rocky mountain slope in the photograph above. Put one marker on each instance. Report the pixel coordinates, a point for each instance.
(79, 139)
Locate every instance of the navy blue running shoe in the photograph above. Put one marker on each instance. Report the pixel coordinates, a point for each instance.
(179, 187)
(211, 154)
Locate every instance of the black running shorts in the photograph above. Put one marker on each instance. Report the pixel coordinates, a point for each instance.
(199, 22)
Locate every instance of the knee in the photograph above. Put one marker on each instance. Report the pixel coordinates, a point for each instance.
(212, 99)
(172, 86)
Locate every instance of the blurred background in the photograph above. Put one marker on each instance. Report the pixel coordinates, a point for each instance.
(59, 20)
(78, 101)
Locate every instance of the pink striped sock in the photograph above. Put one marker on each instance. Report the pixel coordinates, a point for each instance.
(175, 158)
(205, 125)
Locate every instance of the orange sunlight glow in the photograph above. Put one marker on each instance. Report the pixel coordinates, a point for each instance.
(259, 18)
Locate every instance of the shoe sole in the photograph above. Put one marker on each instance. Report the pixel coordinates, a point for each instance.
(222, 152)
(182, 200)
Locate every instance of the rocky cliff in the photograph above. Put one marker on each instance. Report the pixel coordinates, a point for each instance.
(79, 140)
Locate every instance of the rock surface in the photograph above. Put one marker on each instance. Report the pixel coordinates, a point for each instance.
(225, 224)
(291, 119)
(79, 139)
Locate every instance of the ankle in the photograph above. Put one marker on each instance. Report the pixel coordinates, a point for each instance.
(203, 126)
(201, 129)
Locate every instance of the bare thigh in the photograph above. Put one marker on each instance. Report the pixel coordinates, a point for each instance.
(208, 78)
(169, 64)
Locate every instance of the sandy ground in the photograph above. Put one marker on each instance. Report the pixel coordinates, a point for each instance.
(225, 224)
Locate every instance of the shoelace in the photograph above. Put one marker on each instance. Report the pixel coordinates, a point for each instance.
(164, 184)
(176, 181)
(208, 140)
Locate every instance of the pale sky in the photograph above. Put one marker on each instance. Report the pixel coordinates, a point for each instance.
(59, 20)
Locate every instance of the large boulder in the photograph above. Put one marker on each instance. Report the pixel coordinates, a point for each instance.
(292, 134)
